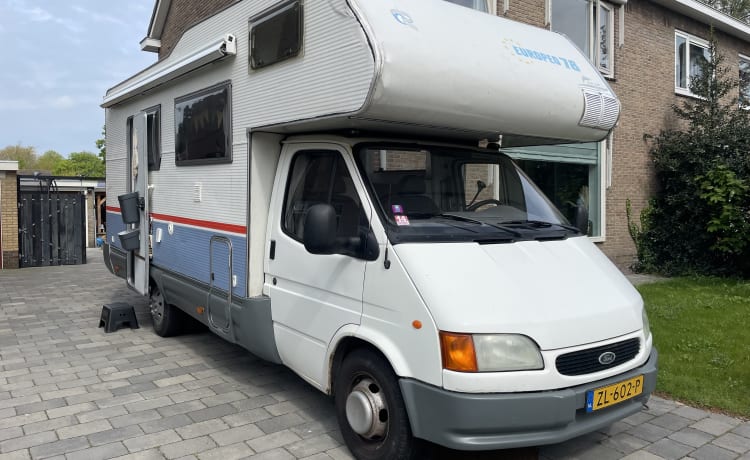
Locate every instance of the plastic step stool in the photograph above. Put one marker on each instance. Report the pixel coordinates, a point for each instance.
(116, 315)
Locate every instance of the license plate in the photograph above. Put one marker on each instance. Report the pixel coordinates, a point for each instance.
(613, 394)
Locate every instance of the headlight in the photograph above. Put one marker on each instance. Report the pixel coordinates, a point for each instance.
(489, 352)
(506, 352)
(646, 325)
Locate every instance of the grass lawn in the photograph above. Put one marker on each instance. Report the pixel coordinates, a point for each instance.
(701, 328)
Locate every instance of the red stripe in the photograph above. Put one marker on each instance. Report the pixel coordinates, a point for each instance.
(194, 222)
(202, 223)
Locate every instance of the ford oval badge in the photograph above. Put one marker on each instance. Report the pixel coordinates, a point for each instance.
(607, 358)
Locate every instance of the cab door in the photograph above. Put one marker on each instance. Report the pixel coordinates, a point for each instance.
(312, 296)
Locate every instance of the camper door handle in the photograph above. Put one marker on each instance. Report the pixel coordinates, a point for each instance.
(272, 252)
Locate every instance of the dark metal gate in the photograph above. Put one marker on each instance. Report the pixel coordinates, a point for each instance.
(51, 224)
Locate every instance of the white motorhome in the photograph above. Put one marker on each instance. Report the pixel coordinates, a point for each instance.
(306, 178)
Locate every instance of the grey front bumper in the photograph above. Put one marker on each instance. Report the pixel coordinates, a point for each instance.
(483, 421)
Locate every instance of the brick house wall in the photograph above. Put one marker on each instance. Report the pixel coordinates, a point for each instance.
(9, 216)
(182, 15)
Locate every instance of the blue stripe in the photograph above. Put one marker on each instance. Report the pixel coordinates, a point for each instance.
(186, 252)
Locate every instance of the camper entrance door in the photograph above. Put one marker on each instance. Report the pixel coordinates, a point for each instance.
(138, 260)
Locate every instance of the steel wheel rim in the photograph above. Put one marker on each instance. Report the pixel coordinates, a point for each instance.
(156, 306)
(367, 410)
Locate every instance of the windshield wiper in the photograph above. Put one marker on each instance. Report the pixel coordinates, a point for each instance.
(542, 224)
(475, 221)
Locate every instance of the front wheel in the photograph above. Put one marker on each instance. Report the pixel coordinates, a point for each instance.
(167, 319)
(370, 409)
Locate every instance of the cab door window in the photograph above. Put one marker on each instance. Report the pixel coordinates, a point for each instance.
(321, 177)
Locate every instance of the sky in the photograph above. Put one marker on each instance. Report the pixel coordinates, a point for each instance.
(57, 59)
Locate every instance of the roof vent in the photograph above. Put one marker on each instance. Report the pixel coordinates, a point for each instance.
(599, 110)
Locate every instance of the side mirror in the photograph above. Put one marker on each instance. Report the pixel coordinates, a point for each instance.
(320, 229)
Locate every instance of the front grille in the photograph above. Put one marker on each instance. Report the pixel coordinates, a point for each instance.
(587, 361)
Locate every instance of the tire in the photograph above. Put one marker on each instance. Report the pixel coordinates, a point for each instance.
(365, 379)
(167, 319)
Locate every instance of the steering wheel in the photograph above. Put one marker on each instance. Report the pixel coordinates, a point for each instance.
(479, 204)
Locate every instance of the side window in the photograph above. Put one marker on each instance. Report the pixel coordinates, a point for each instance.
(690, 52)
(321, 177)
(590, 25)
(153, 137)
(203, 127)
(276, 35)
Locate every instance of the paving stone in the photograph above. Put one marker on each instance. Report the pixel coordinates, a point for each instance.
(84, 429)
(114, 435)
(100, 414)
(191, 395)
(135, 418)
(733, 442)
(188, 447)
(16, 455)
(642, 455)
(254, 403)
(59, 447)
(713, 452)
(181, 408)
(49, 425)
(671, 422)
(307, 447)
(105, 451)
(40, 406)
(119, 401)
(71, 410)
(691, 437)
(161, 424)
(130, 389)
(273, 440)
(10, 433)
(152, 440)
(24, 442)
(224, 398)
(669, 449)
(275, 454)
(200, 429)
(151, 454)
(624, 443)
(235, 435)
(245, 417)
(230, 452)
(281, 422)
(649, 432)
(340, 453)
(165, 382)
(148, 404)
(743, 430)
(638, 418)
(712, 426)
(212, 412)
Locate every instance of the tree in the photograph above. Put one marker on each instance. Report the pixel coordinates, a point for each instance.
(25, 156)
(740, 9)
(49, 160)
(84, 164)
(699, 220)
(101, 144)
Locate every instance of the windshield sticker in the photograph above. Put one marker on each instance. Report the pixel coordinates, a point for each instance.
(402, 220)
(397, 209)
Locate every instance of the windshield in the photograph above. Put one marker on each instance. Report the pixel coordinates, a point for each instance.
(452, 194)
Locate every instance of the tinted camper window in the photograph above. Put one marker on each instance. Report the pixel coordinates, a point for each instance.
(203, 126)
(276, 35)
(153, 137)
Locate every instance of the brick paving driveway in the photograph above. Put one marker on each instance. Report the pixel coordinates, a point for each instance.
(70, 391)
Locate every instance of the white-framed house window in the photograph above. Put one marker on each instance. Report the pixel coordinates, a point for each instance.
(590, 24)
(574, 178)
(689, 52)
(744, 97)
(486, 6)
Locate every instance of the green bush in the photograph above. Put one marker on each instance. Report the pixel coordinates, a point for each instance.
(699, 220)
